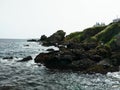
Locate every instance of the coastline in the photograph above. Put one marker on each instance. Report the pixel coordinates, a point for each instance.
(94, 50)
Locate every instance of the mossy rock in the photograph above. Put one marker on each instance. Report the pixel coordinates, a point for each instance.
(114, 43)
(108, 33)
(89, 32)
(73, 37)
(85, 35)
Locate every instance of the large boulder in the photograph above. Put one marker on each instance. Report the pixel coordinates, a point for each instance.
(43, 57)
(43, 38)
(55, 38)
(82, 65)
(54, 60)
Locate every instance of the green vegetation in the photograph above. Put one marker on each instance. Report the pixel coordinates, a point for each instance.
(85, 35)
(95, 49)
(108, 33)
(114, 43)
(73, 36)
(89, 32)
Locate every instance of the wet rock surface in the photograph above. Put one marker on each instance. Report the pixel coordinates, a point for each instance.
(80, 59)
(9, 57)
(28, 58)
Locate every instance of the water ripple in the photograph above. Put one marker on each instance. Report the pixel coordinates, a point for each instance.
(29, 76)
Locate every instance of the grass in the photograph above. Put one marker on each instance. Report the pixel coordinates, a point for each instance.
(85, 35)
(108, 33)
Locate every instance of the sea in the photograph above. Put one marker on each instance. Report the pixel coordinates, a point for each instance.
(28, 75)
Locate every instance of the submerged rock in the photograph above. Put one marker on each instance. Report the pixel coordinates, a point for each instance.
(8, 57)
(32, 40)
(26, 59)
(7, 87)
(26, 45)
(51, 50)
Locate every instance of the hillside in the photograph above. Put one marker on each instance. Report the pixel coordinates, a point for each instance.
(107, 35)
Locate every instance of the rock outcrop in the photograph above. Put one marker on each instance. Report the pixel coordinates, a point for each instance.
(54, 39)
(94, 50)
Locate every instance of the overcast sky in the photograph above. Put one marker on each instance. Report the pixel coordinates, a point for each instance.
(32, 18)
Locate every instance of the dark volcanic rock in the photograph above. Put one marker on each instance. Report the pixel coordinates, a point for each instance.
(72, 45)
(26, 59)
(51, 50)
(92, 50)
(43, 38)
(88, 46)
(43, 57)
(115, 59)
(75, 57)
(26, 45)
(55, 38)
(32, 40)
(96, 58)
(83, 64)
(8, 58)
(59, 62)
(103, 69)
(66, 59)
(54, 60)
(58, 36)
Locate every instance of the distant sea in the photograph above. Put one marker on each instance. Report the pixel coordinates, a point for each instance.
(31, 76)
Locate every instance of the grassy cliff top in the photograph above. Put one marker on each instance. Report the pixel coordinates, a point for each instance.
(98, 33)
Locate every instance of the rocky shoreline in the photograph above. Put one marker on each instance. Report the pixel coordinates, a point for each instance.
(94, 50)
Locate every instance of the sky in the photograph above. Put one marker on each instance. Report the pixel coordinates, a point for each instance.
(33, 18)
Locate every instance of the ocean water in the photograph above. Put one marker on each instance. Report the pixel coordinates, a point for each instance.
(31, 76)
